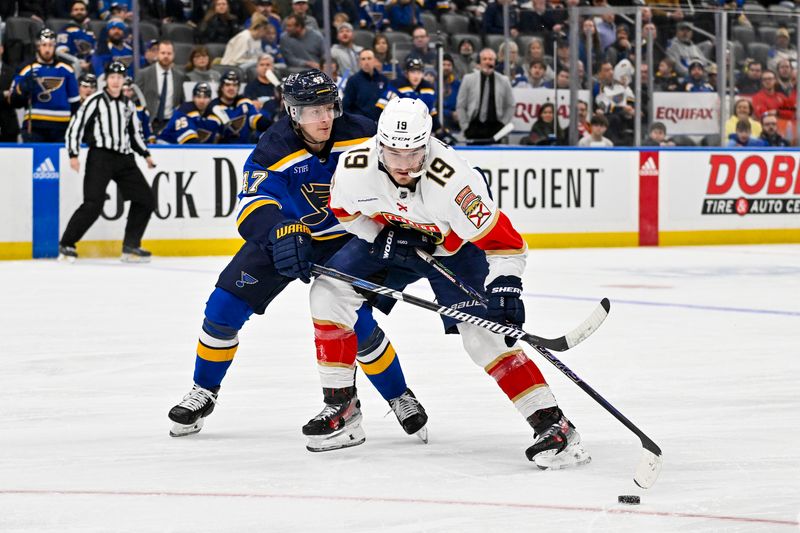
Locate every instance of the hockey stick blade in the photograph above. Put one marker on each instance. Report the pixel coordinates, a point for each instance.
(649, 465)
(559, 344)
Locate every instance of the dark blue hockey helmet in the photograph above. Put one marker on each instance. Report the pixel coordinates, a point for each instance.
(202, 89)
(414, 63)
(46, 34)
(310, 88)
(230, 76)
(87, 79)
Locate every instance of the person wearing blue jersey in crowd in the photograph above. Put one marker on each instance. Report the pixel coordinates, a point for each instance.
(412, 85)
(264, 88)
(114, 48)
(238, 115)
(285, 221)
(47, 88)
(76, 38)
(192, 122)
(134, 93)
(111, 8)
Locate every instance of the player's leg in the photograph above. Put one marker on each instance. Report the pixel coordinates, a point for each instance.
(135, 188)
(246, 286)
(557, 443)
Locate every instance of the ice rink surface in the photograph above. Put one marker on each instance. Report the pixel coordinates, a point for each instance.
(700, 351)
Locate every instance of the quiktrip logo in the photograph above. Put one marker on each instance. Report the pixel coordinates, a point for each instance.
(777, 176)
(46, 170)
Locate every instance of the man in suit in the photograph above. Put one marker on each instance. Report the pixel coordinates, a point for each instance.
(485, 101)
(9, 126)
(162, 85)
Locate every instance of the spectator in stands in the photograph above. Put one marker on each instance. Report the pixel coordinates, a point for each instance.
(345, 7)
(199, 66)
(493, 18)
(516, 70)
(383, 55)
(32, 9)
(48, 90)
(606, 29)
(682, 50)
(300, 46)
(742, 110)
(743, 136)
(149, 54)
(657, 136)
(605, 78)
(584, 128)
(535, 78)
(536, 52)
(162, 86)
(621, 48)
(452, 84)
(271, 44)
(113, 49)
(561, 81)
(265, 9)
(596, 137)
(119, 9)
(666, 79)
(545, 131)
(786, 80)
(650, 33)
(87, 85)
(598, 55)
(539, 20)
(263, 90)
(750, 82)
(300, 8)
(421, 48)
(365, 87)
(244, 48)
(76, 38)
(412, 85)
(345, 51)
(711, 72)
(170, 11)
(9, 126)
(782, 49)
(769, 132)
(372, 16)
(464, 60)
(768, 99)
(617, 102)
(485, 100)
(219, 25)
(696, 82)
(132, 91)
(404, 15)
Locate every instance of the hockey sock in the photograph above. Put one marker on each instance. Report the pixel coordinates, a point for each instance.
(522, 381)
(225, 316)
(336, 355)
(378, 360)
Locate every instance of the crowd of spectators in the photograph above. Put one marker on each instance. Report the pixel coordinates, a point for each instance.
(252, 44)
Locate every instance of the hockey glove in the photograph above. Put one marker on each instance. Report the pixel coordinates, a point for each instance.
(505, 305)
(291, 249)
(395, 246)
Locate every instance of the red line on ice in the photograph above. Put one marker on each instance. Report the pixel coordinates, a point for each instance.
(70, 492)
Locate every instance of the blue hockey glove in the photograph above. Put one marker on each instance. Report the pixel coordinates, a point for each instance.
(291, 249)
(395, 246)
(505, 304)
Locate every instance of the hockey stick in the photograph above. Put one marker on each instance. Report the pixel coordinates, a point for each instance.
(649, 465)
(560, 344)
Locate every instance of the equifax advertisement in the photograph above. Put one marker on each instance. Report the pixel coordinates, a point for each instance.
(528, 102)
(696, 115)
(729, 190)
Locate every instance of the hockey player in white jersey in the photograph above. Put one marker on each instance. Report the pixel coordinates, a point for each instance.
(401, 190)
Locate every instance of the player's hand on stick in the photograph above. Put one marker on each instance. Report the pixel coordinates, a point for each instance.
(395, 246)
(505, 304)
(291, 249)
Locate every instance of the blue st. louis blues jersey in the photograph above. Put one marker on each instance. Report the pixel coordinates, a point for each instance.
(402, 88)
(283, 180)
(52, 90)
(188, 125)
(105, 55)
(239, 120)
(76, 40)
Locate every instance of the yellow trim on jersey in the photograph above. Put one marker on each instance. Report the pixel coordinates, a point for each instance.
(193, 114)
(216, 355)
(381, 364)
(426, 91)
(288, 159)
(47, 118)
(252, 207)
(187, 138)
(328, 237)
(528, 391)
(406, 88)
(496, 361)
(351, 142)
(331, 323)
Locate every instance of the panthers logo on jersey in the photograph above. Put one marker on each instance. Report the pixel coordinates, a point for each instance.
(48, 85)
(428, 229)
(317, 195)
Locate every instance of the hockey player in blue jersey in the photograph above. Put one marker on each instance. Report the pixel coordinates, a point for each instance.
(285, 221)
(47, 88)
(412, 85)
(113, 49)
(133, 92)
(192, 122)
(76, 39)
(241, 121)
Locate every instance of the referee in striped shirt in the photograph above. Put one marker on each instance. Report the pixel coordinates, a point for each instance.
(107, 121)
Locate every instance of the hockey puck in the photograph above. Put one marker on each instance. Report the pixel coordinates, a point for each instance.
(629, 499)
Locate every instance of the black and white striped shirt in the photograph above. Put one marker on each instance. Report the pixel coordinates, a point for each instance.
(107, 122)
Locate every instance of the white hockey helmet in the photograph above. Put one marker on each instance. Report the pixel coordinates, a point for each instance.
(405, 124)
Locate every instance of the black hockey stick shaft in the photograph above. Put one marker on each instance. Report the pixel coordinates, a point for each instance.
(558, 345)
(647, 442)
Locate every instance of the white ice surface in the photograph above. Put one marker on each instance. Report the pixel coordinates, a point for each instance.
(700, 351)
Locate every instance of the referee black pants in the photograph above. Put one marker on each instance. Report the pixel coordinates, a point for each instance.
(103, 166)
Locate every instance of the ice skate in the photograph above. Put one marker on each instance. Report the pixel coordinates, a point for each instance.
(132, 254)
(67, 254)
(338, 425)
(558, 444)
(189, 414)
(411, 415)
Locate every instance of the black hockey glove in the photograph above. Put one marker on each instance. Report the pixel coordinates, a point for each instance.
(395, 246)
(505, 304)
(291, 249)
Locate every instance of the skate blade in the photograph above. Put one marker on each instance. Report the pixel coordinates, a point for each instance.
(66, 258)
(182, 430)
(347, 438)
(573, 455)
(130, 258)
(422, 434)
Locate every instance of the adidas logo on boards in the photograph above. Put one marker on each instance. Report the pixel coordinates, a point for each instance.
(648, 168)
(45, 171)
